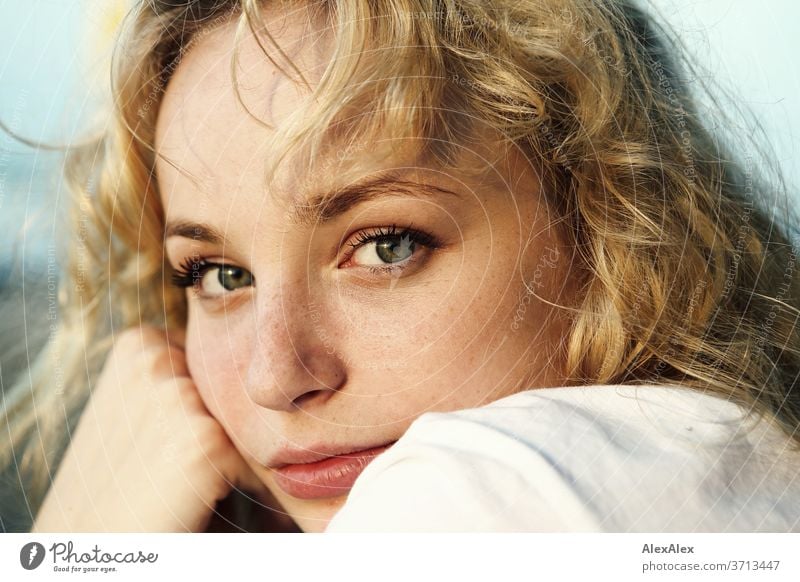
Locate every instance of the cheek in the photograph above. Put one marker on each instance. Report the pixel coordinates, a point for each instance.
(504, 338)
(214, 359)
(445, 344)
(213, 368)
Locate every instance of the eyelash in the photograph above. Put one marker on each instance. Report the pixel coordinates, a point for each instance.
(417, 237)
(192, 269)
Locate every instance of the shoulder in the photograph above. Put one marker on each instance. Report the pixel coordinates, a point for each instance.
(593, 458)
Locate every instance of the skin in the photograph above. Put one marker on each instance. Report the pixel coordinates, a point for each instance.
(319, 351)
(322, 352)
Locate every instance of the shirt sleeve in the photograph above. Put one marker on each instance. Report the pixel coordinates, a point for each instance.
(450, 474)
(582, 459)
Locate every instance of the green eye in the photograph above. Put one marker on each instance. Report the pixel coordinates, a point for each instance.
(394, 249)
(391, 250)
(209, 279)
(233, 278)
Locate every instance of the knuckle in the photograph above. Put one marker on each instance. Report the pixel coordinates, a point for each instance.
(182, 390)
(145, 350)
(166, 360)
(126, 341)
(135, 339)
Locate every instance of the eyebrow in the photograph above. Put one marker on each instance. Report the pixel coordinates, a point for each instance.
(195, 231)
(323, 208)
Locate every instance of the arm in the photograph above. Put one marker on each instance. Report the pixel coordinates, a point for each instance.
(451, 474)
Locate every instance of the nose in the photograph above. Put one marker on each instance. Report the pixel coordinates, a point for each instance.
(294, 363)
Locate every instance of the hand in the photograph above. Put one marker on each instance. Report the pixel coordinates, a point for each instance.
(146, 456)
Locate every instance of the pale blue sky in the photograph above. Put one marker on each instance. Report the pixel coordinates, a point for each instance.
(37, 62)
(752, 48)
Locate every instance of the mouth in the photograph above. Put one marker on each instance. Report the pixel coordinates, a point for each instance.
(327, 476)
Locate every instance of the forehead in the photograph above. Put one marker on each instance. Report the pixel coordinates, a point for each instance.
(218, 113)
(217, 110)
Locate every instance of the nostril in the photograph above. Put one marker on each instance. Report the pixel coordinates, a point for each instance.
(314, 395)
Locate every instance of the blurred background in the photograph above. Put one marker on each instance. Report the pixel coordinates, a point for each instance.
(54, 57)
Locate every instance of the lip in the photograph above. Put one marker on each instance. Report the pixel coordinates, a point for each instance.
(307, 474)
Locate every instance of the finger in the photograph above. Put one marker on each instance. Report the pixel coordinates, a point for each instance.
(247, 480)
(240, 474)
(174, 361)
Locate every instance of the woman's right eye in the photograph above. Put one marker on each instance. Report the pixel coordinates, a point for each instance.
(220, 279)
(211, 279)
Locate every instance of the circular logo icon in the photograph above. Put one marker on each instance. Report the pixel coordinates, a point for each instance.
(31, 555)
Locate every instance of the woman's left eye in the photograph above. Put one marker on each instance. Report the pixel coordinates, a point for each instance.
(388, 249)
(394, 249)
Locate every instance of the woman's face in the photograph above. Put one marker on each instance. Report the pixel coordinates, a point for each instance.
(332, 333)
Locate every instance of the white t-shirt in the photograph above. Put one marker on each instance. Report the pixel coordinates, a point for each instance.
(594, 458)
